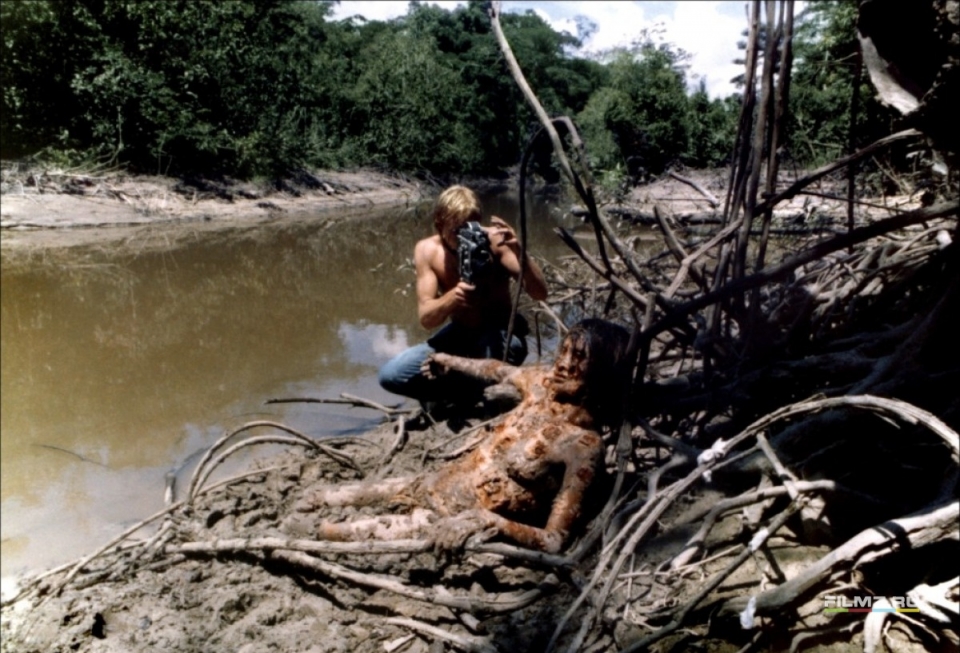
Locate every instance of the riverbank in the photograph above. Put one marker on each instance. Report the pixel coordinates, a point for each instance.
(43, 210)
(215, 578)
(250, 598)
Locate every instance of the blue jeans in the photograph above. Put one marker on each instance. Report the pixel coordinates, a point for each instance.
(401, 375)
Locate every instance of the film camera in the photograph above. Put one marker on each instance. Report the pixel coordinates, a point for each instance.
(473, 249)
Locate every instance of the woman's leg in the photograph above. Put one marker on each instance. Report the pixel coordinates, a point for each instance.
(386, 527)
(352, 494)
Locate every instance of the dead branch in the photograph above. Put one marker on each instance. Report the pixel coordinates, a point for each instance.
(438, 595)
(654, 507)
(398, 443)
(261, 544)
(360, 401)
(814, 253)
(538, 558)
(515, 70)
(469, 643)
(609, 275)
(695, 543)
(333, 453)
(933, 602)
(758, 540)
(345, 399)
(201, 477)
(821, 172)
(710, 197)
(686, 260)
(931, 524)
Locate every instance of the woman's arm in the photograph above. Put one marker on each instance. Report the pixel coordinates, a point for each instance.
(486, 369)
(580, 455)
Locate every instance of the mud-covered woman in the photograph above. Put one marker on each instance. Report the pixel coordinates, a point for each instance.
(526, 479)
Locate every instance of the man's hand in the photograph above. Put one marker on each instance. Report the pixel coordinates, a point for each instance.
(504, 240)
(461, 294)
(504, 234)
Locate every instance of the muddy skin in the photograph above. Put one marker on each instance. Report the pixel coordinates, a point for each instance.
(538, 462)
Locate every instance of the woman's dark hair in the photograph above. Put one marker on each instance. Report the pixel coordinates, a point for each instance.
(608, 367)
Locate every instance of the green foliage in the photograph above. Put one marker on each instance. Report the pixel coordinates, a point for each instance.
(261, 87)
(826, 64)
(165, 85)
(36, 71)
(606, 109)
(639, 119)
(402, 88)
(711, 129)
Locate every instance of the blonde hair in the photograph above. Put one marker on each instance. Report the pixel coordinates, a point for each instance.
(456, 205)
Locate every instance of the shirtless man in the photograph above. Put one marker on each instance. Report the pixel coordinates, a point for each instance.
(478, 313)
(526, 479)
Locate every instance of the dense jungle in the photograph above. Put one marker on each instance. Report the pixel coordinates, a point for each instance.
(783, 474)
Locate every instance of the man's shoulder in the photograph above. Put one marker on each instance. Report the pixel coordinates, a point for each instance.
(429, 251)
(429, 243)
(429, 246)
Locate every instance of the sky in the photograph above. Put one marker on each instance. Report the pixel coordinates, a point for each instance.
(708, 30)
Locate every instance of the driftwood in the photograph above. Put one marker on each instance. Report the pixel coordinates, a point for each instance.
(714, 202)
(467, 643)
(729, 338)
(738, 311)
(934, 524)
(206, 466)
(345, 399)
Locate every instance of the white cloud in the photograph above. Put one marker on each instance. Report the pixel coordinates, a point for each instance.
(710, 36)
(708, 30)
(371, 344)
(381, 9)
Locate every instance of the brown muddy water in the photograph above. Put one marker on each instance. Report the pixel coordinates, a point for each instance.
(119, 366)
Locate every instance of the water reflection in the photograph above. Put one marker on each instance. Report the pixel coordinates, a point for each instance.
(118, 366)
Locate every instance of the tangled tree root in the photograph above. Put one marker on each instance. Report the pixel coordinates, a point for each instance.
(672, 590)
(809, 406)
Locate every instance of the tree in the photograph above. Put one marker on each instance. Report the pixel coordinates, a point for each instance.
(408, 103)
(43, 45)
(712, 128)
(826, 69)
(639, 119)
(260, 87)
(163, 85)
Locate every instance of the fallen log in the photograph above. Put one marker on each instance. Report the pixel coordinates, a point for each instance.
(912, 532)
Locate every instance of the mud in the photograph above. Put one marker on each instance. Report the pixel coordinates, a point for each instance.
(43, 210)
(249, 598)
(54, 209)
(255, 601)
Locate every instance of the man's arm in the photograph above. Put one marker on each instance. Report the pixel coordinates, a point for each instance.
(507, 247)
(431, 309)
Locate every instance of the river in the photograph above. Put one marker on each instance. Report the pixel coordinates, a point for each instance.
(120, 364)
